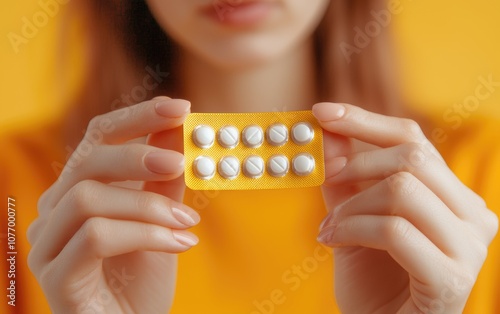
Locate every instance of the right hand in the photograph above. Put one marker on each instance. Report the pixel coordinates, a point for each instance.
(99, 248)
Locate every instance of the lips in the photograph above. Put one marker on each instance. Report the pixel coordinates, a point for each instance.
(239, 12)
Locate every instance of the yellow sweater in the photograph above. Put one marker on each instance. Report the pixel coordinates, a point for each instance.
(258, 253)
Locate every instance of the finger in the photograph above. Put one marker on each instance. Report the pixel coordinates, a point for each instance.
(405, 196)
(34, 229)
(128, 123)
(369, 127)
(113, 163)
(334, 146)
(172, 140)
(406, 244)
(158, 114)
(413, 158)
(100, 238)
(94, 199)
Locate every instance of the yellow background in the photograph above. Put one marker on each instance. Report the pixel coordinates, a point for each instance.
(444, 47)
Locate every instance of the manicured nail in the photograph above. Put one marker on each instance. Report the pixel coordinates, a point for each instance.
(164, 162)
(188, 219)
(326, 235)
(335, 166)
(172, 108)
(325, 221)
(185, 238)
(328, 111)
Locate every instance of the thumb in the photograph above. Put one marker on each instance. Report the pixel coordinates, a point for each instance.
(336, 148)
(170, 139)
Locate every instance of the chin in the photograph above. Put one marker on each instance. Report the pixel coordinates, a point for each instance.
(241, 55)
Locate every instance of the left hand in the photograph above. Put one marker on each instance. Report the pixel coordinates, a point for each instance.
(409, 237)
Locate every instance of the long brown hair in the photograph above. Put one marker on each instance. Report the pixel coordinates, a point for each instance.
(123, 40)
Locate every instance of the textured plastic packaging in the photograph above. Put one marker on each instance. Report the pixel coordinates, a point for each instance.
(211, 137)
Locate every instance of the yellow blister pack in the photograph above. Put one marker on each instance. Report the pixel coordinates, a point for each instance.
(245, 151)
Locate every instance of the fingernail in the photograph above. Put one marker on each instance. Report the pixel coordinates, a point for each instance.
(328, 111)
(172, 108)
(325, 221)
(185, 238)
(326, 235)
(164, 162)
(335, 166)
(189, 219)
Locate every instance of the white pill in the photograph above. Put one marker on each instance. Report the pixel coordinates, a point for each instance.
(277, 165)
(204, 167)
(277, 134)
(203, 136)
(229, 167)
(252, 136)
(253, 167)
(302, 133)
(303, 164)
(228, 136)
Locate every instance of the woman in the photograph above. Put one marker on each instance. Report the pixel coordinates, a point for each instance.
(409, 237)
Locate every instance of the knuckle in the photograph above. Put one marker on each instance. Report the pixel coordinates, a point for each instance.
(397, 230)
(412, 130)
(83, 194)
(148, 202)
(92, 233)
(94, 123)
(403, 184)
(94, 133)
(33, 262)
(31, 233)
(491, 222)
(43, 201)
(414, 156)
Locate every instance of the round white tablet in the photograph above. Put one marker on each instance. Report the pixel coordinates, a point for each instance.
(303, 164)
(229, 167)
(228, 136)
(253, 167)
(277, 134)
(277, 165)
(203, 136)
(302, 133)
(204, 167)
(252, 136)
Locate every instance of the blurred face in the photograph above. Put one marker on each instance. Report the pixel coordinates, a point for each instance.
(235, 33)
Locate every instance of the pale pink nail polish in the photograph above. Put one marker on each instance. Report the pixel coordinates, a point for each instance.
(172, 108)
(185, 238)
(326, 235)
(326, 221)
(185, 218)
(328, 111)
(167, 162)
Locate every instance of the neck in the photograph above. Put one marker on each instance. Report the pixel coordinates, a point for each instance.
(286, 84)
